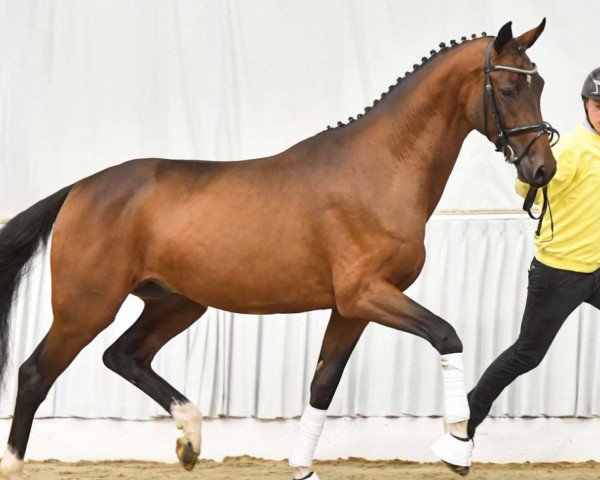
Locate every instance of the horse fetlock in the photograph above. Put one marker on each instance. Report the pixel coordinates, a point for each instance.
(188, 418)
(11, 466)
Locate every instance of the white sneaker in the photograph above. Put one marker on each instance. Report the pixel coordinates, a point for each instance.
(311, 476)
(454, 452)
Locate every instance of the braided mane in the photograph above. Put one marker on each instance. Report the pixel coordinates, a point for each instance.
(443, 48)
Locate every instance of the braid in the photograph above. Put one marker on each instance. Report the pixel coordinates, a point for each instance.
(424, 60)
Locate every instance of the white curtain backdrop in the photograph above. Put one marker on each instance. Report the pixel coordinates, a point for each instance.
(88, 84)
(244, 365)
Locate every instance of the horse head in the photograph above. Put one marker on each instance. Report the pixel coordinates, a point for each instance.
(509, 113)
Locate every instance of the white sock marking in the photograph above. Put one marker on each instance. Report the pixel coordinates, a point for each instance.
(189, 419)
(11, 466)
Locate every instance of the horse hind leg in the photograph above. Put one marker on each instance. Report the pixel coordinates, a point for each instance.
(131, 355)
(69, 333)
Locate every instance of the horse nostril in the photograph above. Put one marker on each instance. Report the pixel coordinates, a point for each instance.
(539, 178)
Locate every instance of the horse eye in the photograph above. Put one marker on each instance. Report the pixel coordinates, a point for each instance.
(506, 92)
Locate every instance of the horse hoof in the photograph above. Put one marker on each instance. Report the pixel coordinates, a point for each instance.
(458, 469)
(186, 454)
(11, 466)
(454, 452)
(311, 476)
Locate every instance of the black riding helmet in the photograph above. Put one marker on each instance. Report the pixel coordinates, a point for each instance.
(591, 89)
(591, 86)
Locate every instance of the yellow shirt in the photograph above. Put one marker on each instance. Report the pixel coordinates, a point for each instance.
(574, 195)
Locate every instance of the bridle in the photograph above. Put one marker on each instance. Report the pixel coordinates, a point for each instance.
(502, 143)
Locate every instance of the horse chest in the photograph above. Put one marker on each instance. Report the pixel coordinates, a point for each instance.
(404, 267)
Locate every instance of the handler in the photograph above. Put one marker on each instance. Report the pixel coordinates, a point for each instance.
(565, 271)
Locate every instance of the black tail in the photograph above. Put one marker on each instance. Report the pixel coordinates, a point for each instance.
(19, 240)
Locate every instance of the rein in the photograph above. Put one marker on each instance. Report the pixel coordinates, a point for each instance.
(528, 204)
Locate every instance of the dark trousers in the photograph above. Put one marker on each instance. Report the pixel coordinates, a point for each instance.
(552, 295)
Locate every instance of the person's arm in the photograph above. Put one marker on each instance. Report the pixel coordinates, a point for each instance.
(566, 168)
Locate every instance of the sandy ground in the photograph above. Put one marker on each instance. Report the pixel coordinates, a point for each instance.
(353, 469)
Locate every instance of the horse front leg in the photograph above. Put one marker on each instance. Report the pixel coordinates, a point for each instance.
(382, 302)
(339, 341)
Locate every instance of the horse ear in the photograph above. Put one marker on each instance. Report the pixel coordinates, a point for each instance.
(504, 36)
(529, 38)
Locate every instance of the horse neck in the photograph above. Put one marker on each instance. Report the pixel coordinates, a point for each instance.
(423, 123)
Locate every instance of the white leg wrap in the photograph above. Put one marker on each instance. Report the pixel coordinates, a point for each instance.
(309, 431)
(11, 466)
(455, 396)
(189, 419)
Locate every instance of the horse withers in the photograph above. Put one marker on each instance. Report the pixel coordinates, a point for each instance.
(336, 221)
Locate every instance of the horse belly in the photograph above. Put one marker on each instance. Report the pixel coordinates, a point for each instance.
(260, 292)
(238, 276)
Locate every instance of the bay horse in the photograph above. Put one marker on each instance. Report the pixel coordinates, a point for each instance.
(335, 222)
